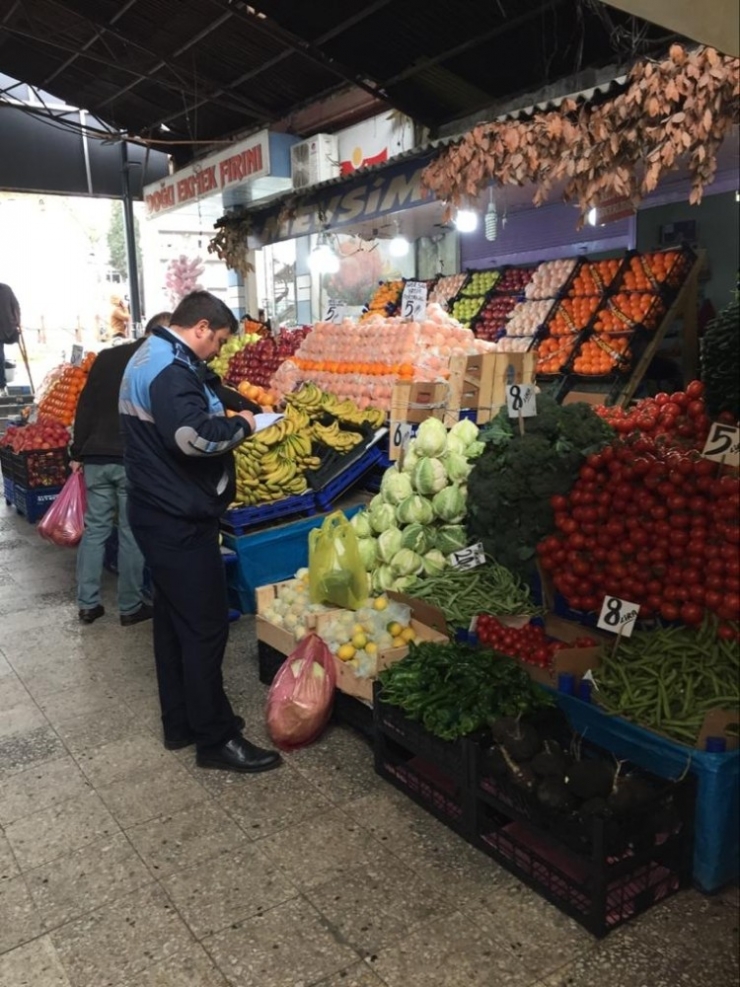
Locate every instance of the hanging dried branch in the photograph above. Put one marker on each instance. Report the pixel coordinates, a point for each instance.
(679, 109)
(230, 242)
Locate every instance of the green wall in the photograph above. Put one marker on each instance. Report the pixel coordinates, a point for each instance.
(717, 232)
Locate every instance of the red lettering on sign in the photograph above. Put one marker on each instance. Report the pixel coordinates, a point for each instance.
(163, 198)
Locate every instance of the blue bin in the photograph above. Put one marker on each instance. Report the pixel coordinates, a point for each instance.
(717, 820)
(8, 491)
(268, 556)
(33, 504)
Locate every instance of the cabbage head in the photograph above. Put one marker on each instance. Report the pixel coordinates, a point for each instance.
(404, 584)
(375, 502)
(451, 538)
(455, 444)
(368, 552)
(382, 579)
(465, 430)
(434, 562)
(406, 563)
(415, 510)
(449, 504)
(410, 459)
(417, 537)
(457, 466)
(395, 486)
(389, 542)
(381, 517)
(431, 439)
(361, 523)
(429, 476)
(474, 449)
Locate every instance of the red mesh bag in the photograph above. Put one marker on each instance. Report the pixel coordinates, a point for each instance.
(301, 696)
(64, 522)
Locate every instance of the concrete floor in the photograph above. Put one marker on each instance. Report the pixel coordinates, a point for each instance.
(123, 865)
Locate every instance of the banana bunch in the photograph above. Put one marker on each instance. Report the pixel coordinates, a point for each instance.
(334, 437)
(272, 464)
(309, 398)
(347, 411)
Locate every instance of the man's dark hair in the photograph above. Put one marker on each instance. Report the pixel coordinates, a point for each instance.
(160, 319)
(203, 305)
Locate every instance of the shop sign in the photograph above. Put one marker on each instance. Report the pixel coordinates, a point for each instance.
(611, 210)
(239, 163)
(374, 142)
(378, 195)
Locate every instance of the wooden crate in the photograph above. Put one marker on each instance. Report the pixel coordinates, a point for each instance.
(411, 404)
(280, 638)
(478, 383)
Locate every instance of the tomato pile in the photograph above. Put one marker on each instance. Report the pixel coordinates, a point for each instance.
(680, 419)
(528, 643)
(651, 521)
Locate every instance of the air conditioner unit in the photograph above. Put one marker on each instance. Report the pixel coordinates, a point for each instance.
(314, 160)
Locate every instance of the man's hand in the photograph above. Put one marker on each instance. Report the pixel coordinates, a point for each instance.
(249, 419)
(75, 466)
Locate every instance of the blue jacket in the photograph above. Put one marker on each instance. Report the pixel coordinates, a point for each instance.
(178, 443)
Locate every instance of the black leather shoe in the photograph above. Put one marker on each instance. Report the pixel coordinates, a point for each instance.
(145, 612)
(89, 616)
(180, 743)
(238, 754)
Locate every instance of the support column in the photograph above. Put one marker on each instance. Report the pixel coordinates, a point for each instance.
(129, 230)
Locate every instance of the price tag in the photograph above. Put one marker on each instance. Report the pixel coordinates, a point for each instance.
(723, 444)
(334, 311)
(76, 358)
(618, 616)
(521, 400)
(468, 558)
(414, 300)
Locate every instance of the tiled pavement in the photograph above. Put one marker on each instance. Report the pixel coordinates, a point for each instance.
(123, 865)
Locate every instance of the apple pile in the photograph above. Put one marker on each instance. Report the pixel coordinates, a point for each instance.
(492, 320)
(514, 280)
(258, 362)
(46, 433)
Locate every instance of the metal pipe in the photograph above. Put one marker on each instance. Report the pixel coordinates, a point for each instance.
(129, 229)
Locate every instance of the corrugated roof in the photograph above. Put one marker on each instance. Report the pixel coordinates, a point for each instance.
(210, 68)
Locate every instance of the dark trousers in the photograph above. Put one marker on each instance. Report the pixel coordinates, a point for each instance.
(191, 623)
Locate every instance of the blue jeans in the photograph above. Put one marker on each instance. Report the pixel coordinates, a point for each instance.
(106, 506)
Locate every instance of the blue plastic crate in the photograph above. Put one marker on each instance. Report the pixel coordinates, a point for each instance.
(239, 519)
(33, 504)
(717, 819)
(8, 490)
(268, 556)
(347, 478)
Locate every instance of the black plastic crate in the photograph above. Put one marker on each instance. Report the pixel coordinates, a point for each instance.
(7, 462)
(40, 468)
(601, 897)
(443, 795)
(452, 757)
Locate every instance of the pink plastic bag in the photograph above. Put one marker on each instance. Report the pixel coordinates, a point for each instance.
(64, 522)
(301, 696)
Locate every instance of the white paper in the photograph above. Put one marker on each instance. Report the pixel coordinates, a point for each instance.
(618, 616)
(723, 444)
(264, 419)
(521, 399)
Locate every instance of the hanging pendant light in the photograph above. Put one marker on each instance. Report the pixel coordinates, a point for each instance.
(491, 221)
(399, 245)
(466, 220)
(322, 259)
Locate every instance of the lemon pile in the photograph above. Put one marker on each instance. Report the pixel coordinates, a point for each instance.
(358, 637)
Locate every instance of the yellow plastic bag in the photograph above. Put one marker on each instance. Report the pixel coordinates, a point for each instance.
(335, 570)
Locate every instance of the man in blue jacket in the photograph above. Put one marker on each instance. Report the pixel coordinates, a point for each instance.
(181, 475)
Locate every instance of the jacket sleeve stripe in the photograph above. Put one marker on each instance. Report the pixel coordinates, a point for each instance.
(193, 444)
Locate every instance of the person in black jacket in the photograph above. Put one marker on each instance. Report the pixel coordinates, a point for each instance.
(97, 445)
(181, 477)
(10, 328)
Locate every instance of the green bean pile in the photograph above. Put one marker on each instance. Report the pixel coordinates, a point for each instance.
(669, 679)
(461, 595)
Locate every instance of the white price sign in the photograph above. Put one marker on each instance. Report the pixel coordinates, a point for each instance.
(723, 444)
(76, 358)
(618, 616)
(468, 558)
(401, 435)
(334, 311)
(521, 400)
(414, 300)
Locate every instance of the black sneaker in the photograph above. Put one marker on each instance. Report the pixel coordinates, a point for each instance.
(89, 616)
(145, 612)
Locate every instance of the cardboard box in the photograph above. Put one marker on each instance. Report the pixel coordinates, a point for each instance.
(412, 403)
(280, 638)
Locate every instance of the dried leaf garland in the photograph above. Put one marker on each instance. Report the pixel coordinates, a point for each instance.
(680, 107)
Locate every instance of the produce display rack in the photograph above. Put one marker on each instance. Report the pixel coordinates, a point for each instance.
(240, 520)
(33, 504)
(37, 468)
(350, 474)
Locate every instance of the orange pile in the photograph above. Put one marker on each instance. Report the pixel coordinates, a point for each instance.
(625, 311)
(403, 370)
(593, 277)
(572, 315)
(552, 353)
(260, 395)
(599, 355)
(648, 271)
(60, 401)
